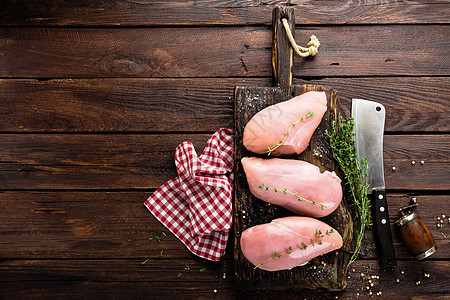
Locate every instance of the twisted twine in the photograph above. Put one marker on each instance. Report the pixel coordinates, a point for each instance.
(312, 48)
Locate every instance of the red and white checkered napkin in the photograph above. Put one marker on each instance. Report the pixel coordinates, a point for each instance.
(196, 206)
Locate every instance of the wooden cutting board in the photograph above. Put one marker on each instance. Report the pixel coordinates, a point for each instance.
(330, 270)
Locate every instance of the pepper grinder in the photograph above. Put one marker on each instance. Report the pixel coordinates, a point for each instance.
(414, 233)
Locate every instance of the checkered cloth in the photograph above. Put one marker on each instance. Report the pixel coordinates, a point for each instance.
(196, 206)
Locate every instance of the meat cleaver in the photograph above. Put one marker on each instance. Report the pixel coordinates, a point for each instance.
(369, 119)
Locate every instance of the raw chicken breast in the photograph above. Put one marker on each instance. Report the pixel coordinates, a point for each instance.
(288, 242)
(269, 126)
(294, 184)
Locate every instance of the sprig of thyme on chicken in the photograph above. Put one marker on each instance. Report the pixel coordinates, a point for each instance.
(270, 149)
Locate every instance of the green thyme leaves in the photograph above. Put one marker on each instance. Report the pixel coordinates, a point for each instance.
(342, 144)
(285, 191)
(317, 239)
(270, 149)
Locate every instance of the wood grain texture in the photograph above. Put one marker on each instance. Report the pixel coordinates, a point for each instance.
(117, 270)
(95, 96)
(83, 225)
(99, 225)
(31, 279)
(219, 52)
(197, 104)
(204, 12)
(116, 105)
(86, 161)
(90, 161)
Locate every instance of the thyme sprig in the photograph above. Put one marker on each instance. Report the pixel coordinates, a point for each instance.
(285, 191)
(316, 240)
(310, 114)
(342, 143)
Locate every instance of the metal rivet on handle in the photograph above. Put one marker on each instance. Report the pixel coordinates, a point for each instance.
(383, 221)
(382, 208)
(380, 196)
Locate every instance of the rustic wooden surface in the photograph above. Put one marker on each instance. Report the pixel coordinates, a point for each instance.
(96, 95)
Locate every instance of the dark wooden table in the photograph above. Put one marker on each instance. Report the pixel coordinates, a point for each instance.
(96, 95)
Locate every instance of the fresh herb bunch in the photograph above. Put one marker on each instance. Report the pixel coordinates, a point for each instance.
(342, 144)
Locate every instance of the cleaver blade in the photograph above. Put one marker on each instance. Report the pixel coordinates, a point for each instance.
(369, 118)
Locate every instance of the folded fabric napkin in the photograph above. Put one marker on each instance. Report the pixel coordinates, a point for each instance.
(196, 206)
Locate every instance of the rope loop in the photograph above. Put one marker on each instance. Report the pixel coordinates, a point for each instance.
(311, 49)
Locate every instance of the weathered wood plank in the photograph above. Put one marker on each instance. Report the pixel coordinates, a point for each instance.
(117, 270)
(87, 161)
(204, 12)
(158, 290)
(116, 105)
(33, 279)
(90, 161)
(81, 224)
(197, 105)
(219, 52)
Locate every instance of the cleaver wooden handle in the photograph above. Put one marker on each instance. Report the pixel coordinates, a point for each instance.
(383, 230)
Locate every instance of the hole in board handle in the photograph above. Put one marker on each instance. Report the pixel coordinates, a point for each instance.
(378, 108)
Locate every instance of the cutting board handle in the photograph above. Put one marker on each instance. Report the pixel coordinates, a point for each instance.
(282, 52)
